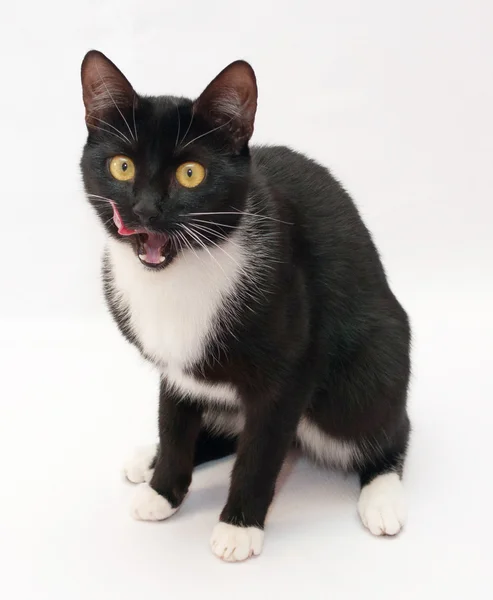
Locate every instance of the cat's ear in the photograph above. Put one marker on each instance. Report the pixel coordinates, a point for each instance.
(104, 88)
(230, 102)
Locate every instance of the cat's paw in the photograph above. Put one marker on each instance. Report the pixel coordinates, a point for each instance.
(137, 467)
(233, 543)
(382, 506)
(148, 505)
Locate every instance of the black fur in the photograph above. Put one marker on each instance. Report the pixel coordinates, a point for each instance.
(315, 332)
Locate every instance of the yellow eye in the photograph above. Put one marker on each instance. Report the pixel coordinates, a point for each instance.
(122, 168)
(190, 174)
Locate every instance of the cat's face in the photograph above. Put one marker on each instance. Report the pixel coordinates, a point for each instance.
(167, 173)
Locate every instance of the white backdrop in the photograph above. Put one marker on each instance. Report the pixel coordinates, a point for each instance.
(397, 99)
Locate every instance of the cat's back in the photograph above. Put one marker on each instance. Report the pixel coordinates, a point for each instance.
(320, 208)
(297, 177)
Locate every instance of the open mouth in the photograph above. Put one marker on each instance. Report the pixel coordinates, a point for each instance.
(153, 249)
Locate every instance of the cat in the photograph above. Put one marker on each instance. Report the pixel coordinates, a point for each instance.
(247, 277)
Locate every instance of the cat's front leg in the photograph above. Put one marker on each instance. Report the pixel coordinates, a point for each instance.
(269, 430)
(179, 427)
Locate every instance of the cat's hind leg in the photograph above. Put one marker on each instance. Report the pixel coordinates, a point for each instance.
(382, 505)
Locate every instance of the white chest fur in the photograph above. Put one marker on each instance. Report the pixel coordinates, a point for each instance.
(173, 312)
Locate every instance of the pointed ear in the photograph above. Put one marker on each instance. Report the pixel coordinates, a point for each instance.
(104, 88)
(230, 102)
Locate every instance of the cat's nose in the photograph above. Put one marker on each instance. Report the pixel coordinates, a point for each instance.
(146, 212)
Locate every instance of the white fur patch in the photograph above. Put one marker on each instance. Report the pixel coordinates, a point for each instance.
(233, 543)
(382, 506)
(137, 467)
(223, 422)
(324, 448)
(188, 385)
(172, 312)
(148, 505)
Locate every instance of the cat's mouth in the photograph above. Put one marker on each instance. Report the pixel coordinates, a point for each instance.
(153, 249)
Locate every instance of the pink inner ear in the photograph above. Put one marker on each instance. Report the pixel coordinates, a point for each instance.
(230, 101)
(122, 229)
(104, 87)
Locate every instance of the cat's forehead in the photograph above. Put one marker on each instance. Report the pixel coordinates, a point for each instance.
(164, 120)
(166, 110)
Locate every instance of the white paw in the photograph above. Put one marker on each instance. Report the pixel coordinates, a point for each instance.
(148, 505)
(382, 506)
(233, 543)
(137, 469)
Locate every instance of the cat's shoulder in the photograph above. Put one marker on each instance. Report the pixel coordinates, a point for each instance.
(265, 156)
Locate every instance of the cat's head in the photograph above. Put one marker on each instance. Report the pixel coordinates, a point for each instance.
(164, 173)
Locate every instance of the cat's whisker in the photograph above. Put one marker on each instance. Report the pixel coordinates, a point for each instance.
(210, 231)
(107, 221)
(101, 198)
(182, 239)
(189, 125)
(212, 223)
(203, 236)
(179, 123)
(111, 133)
(201, 243)
(113, 100)
(246, 293)
(123, 136)
(189, 245)
(213, 232)
(177, 242)
(133, 116)
(250, 214)
(206, 133)
(236, 212)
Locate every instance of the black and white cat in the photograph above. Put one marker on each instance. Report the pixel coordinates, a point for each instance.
(246, 275)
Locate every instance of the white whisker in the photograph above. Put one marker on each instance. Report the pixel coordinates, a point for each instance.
(212, 223)
(110, 200)
(201, 243)
(107, 221)
(179, 123)
(99, 200)
(178, 241)
(192, 249)
(218, 246)
(189, 125)
(206, 133)
(246, 291)
(107, 131)
(211, 231)
(133, 115)
(236, 212)
(102, 198)
(123, 136)
(183, 240)
(250, 214)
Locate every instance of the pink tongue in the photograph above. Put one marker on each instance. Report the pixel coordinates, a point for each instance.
(152, 247)
(122, 229)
